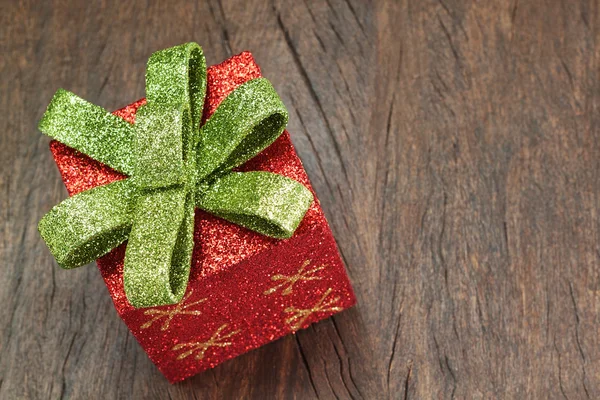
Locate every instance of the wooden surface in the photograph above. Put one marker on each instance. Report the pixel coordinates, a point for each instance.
(454, 146)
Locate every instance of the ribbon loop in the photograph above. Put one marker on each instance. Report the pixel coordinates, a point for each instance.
(267, 203)
(154, 271)
(88, 225)
(177, 76)
(90, 129)
(243, 125)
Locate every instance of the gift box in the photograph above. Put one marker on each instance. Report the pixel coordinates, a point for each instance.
(245, 289)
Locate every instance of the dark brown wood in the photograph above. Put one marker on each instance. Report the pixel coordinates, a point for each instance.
(454, 146)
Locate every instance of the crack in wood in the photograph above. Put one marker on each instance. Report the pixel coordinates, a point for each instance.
(407, 380)
(312, 91)
(560, 382)
(306, 365)
(347, 358)
(581, 353)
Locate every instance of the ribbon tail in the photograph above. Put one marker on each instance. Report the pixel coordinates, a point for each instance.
(264, 202)
(88, 225)
(89, 129)
(159, 250)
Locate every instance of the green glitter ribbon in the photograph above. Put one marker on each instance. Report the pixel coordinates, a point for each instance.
(173, 166)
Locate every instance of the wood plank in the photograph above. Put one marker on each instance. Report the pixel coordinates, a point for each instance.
(453, 146)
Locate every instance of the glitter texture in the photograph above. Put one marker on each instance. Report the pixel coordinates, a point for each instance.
(90, 129)
(234, 270)
(174, 166)
(79, 230)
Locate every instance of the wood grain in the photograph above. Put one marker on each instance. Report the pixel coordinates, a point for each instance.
(454, 146)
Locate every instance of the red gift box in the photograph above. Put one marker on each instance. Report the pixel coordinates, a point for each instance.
(245, 289)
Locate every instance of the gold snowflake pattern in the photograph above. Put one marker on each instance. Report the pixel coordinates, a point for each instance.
(180, 309)
(289, 281)
(216, 340)
(299, 315)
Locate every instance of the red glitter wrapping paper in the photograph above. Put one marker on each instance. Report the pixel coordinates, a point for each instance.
(245, 289)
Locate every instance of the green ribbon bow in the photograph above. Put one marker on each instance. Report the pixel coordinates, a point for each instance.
(173, 166)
